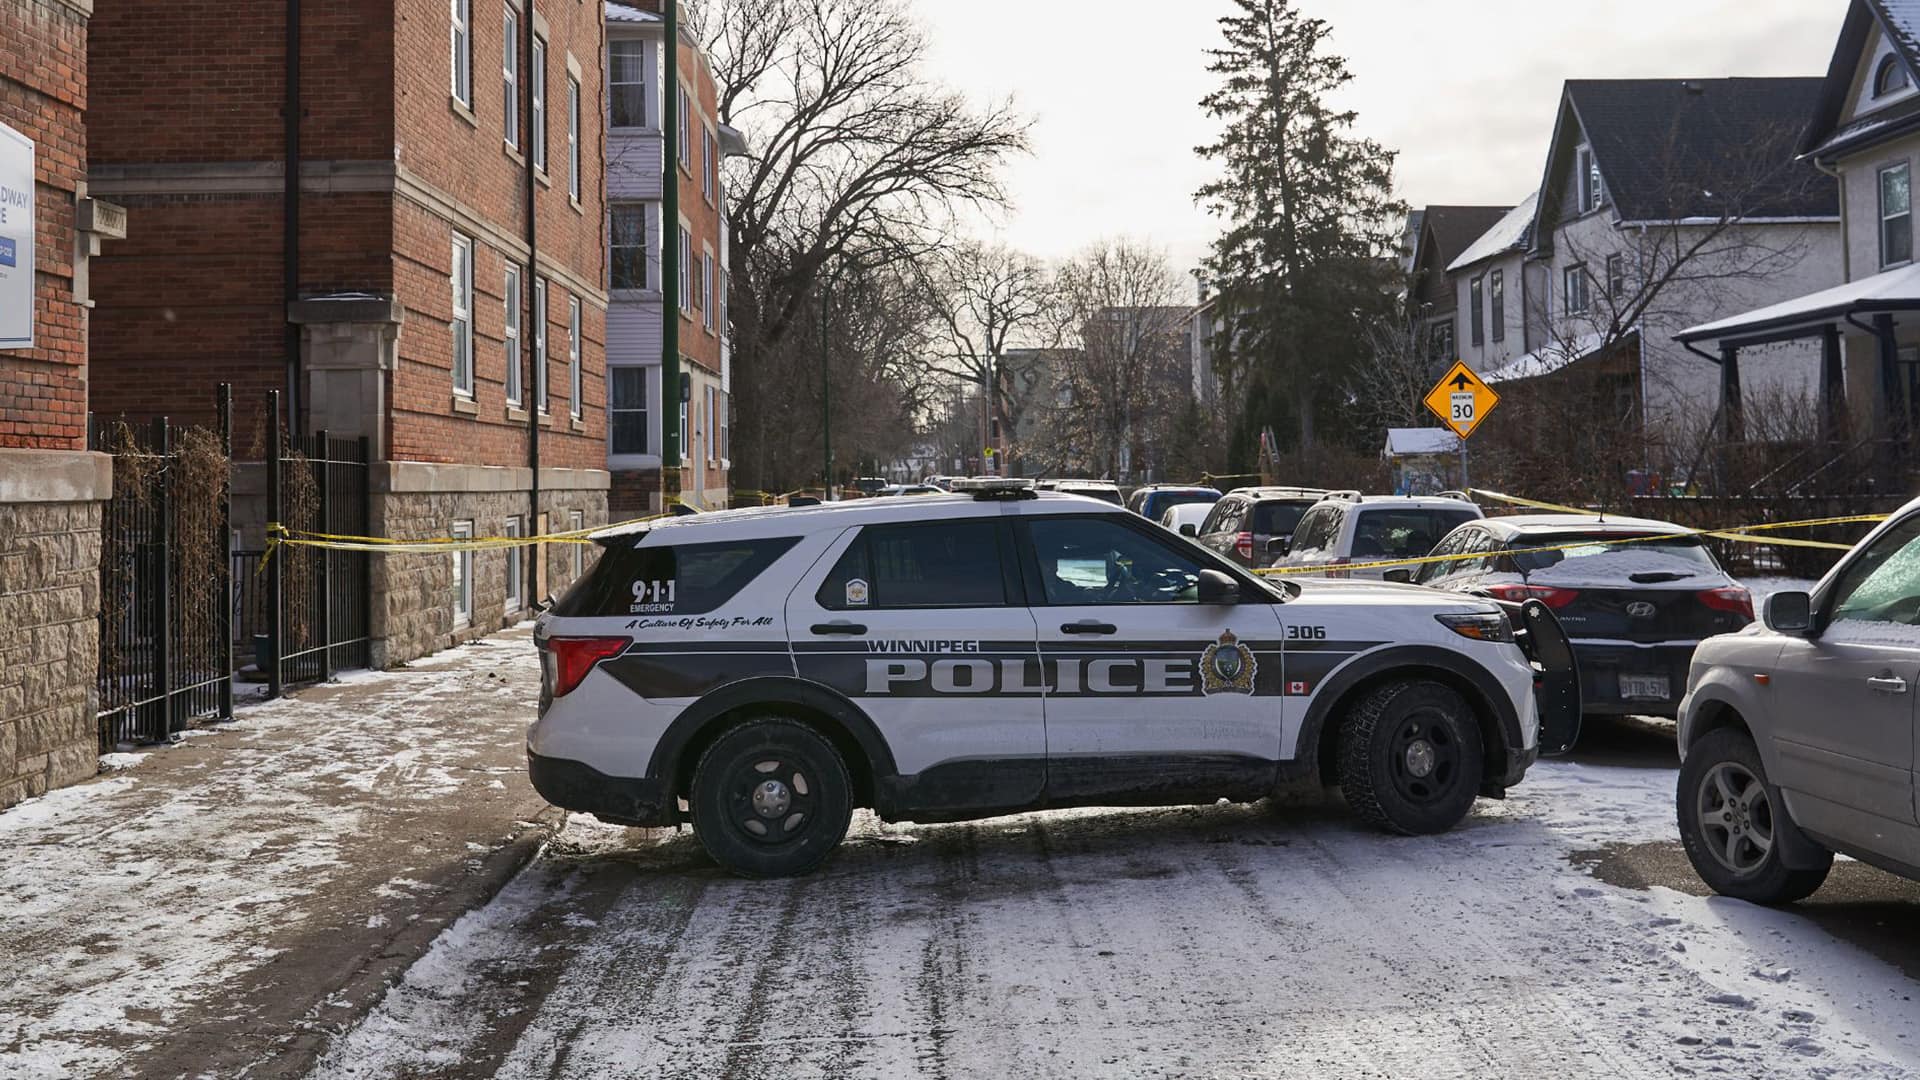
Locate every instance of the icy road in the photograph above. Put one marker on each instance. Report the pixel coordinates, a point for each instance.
(1216, 941)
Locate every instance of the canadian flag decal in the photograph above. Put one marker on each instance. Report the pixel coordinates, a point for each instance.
(1296, 688)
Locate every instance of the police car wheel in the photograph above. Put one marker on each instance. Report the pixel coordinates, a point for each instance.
(770, 798)
(1410, 757)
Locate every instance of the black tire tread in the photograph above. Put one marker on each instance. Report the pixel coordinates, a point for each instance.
(1354, 754)
(1774, 886)
(788, 867)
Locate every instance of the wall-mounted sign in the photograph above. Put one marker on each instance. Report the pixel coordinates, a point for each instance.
(16, 240)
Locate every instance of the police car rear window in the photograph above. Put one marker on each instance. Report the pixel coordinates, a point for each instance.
(943, 564)
(681, 579)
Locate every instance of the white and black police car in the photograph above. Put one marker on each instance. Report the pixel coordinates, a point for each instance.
(764, 672)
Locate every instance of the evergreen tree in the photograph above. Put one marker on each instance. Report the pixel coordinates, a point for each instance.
(1306, 259)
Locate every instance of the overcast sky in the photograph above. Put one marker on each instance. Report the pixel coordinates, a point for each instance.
(1464, 89)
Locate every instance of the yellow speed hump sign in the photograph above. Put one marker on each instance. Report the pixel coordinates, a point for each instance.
(1461, 400)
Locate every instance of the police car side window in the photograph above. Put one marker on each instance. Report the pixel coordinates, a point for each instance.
(938, 564)
(1091, 561)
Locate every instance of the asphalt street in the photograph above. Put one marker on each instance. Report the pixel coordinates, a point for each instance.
(1556, 933)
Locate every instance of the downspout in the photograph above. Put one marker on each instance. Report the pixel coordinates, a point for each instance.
(290, 225)
(536, 324)
(1846, 243)
(670, 433)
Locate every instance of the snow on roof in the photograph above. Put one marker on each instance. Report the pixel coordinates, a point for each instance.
(1902, 21)
(1421, 440)
(1547, 359)
(1892, 290)
(627, 13)
(1585, 523)
(1508, 233)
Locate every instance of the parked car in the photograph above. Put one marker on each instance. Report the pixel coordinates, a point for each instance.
(869, 485)
(1348, 527)
(1104, 490)
(1634, 611)
(1247, 522)
(909, 489)
(1797, 735)
(1153, 500)
(1186, 518)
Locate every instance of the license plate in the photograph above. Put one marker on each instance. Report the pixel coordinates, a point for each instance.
(1644, 687)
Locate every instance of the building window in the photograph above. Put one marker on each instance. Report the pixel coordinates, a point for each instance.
(707, 167)
(512, 333)
(573, 357)
(573, 138)
(627, 414)
(726, 323)
(1890, 76)
(1574, 281)
(462, 323)
(713, 442)
(721, 426)
(1896, 215)
(577, 520)
(1477, 319)
(540, 343)
(627, 248)
(462, 39)
(686, 382)
(516, 566)
(510, 77)
(1616, 276)
(1589, 180)
(627, 83)
(686, 267)
(706, 288)
(1440, 342)
(462, 577)
(538, 73)
(1497, 300)
(680, 136)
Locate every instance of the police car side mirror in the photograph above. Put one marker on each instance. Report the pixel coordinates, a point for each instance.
(1189, 530)
(1218, 588)
(1399, 574)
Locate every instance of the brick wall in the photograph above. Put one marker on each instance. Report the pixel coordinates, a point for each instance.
(43, 95)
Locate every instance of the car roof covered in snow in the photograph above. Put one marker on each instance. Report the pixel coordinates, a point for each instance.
(1537, 524)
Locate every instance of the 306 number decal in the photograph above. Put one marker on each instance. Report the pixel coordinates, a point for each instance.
(1306, 633)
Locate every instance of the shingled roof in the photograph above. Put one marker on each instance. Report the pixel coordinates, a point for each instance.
(1827, 135)
(1455, 228)
(1676, 148)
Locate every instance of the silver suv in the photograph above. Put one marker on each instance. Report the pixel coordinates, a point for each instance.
(1797, 733)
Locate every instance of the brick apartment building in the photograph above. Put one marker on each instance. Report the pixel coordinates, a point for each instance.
(406, 311)
(641, 302)
(51, 487)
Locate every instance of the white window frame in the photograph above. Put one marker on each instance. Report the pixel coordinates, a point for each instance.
(649, 410)
(686, 430)
(510, 77)
(684, 152)
(615, 211)
(462, 577)
(1477, 318)
(537, 73)
(1589, 179)
(540, 343)
(516, 566)
(721, 427)
(706, 289)
(461, 324)
(1575, 291)
(577, 520)
(574, 381)
(1886, 219)
(686, 268)
(620, 44)
(513, 305)
(1616, 276)
(706, 163)
(713, 443)
(573, 138)
(1496, 306)
(460, 40)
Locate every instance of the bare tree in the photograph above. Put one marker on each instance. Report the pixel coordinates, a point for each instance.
(1121, 397)
(986, 300)
(1393, 374)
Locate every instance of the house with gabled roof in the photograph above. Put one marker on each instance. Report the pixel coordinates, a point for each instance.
(1436, 235)
(1862, 325)
(1489, 286)
(1664, 203)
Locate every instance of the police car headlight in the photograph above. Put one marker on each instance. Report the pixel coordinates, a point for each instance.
(1489, 626)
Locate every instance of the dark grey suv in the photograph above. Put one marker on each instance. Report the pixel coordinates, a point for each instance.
(1247, 520)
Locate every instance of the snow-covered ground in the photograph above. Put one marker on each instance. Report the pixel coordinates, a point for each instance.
(1216, 941)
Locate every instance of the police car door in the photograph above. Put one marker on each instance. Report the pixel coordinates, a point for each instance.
(1150, 690)
(924, 627)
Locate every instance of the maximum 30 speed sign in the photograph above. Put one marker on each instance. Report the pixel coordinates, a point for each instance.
(1461, 399)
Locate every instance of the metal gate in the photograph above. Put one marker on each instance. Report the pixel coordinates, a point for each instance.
(319, 600)
(166, 641)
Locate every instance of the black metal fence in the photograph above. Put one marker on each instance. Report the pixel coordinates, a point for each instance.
(165, 577)
(319, 600)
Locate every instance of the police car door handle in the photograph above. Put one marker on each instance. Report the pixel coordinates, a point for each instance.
(839, 626)
(1088, 626)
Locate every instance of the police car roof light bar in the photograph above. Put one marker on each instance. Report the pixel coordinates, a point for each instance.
(1004, 487)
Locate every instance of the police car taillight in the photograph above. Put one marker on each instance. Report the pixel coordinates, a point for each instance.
(572, 658)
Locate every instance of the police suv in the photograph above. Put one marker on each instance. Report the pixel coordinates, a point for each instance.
(764, 672)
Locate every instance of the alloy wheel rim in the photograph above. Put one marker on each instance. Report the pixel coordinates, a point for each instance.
(1736, 817)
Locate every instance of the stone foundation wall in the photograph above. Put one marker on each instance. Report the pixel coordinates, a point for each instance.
(49, 607)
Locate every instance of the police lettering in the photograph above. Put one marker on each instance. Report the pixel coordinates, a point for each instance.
(1106, 675)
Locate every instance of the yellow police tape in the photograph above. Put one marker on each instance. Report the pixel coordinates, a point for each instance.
(1740, 534)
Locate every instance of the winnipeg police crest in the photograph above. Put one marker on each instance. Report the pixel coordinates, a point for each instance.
(1227, 667)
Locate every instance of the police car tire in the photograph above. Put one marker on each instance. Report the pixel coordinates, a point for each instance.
(722, 792)
(1379, 739)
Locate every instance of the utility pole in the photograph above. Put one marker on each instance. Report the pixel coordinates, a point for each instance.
(826, 391)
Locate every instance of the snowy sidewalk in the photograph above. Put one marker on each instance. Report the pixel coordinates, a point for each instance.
(225, 903)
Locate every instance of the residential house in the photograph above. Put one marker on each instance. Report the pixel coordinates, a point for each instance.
(642, 303)
(51, 487)
(1490, 285)
(1665, 203)
(406, 239)
(1863, 327)
(1436, 236)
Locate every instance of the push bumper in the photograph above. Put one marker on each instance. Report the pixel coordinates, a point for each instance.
(618, 800)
